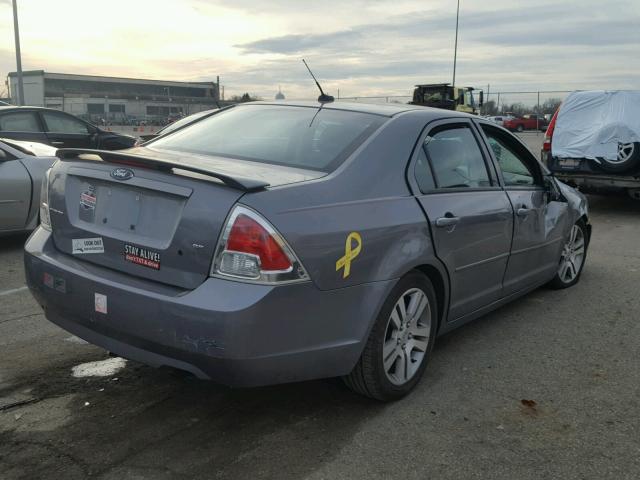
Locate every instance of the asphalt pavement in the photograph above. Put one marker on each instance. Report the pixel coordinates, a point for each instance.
(547, 387)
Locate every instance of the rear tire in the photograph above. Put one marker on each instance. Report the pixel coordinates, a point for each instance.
(400, 342)
(628, 159)
(573, 257)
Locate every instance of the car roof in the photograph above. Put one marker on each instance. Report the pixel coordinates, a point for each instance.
(387, 109)
(4, 108)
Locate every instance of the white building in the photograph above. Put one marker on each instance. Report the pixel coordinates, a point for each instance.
(114, 99)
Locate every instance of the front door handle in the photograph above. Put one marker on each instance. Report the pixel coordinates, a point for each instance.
(57, 143)
(522, 212)
(446, 221)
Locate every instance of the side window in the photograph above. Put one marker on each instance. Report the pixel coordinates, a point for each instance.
(19, 122)
(61, 123)
(456, 159)
(424, 175)
(515, 170)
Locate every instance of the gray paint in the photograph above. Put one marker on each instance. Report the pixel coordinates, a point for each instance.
(245, 334)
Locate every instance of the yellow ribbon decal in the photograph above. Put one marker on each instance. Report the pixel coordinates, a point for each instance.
(350, 252)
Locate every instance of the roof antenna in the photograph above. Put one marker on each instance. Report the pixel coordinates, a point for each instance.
(323, 98)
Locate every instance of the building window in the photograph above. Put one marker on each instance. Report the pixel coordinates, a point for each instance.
(116, 108)
(95, 108)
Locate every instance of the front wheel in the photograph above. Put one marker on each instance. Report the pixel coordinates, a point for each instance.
(520, 128)
(400, 341)
(572, 259)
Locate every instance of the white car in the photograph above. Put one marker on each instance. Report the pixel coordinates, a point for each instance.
(499, 119)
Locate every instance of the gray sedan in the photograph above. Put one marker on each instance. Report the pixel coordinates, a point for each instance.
(280, 242)
(22, 168)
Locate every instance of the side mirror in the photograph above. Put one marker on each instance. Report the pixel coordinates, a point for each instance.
(3, 155)
(481, 99)
(551, 189)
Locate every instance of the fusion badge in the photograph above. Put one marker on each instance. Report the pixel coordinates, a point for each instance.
(142, 256)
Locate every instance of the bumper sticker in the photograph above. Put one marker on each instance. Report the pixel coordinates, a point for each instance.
(88, 198)
(350, 253)
(87, 245)
(101, 303)
(142, 256)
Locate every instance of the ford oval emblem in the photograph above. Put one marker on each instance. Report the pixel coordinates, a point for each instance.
(122, 173)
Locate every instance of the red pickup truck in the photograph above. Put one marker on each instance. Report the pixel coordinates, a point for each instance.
(526, 122)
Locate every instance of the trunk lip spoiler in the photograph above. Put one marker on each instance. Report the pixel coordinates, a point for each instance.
(233, 181)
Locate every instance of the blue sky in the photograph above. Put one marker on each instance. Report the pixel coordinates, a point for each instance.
(370, 47)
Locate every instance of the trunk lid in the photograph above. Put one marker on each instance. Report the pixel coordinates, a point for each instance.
(134, 214)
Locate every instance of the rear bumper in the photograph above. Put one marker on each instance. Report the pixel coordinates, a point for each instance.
(234, 333)
(595, 183)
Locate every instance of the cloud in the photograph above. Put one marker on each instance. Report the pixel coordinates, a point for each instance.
(361, 47)
(289, 44)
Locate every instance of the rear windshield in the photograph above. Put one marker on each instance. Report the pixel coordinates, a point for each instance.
(304, 137)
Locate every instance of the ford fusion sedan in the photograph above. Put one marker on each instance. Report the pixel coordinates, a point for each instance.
(58, 129)
(273, 243)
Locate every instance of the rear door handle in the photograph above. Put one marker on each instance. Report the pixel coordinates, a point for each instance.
(446, 221)
(522, 212)
(57, 143)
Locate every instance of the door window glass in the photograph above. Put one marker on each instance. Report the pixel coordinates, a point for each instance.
(19, 122)
(61, 123)
(515, 170)
(456, 159)
(423, 173)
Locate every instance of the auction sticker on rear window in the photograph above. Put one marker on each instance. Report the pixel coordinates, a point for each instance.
(87, 245)
(88, 198)
(142, 256)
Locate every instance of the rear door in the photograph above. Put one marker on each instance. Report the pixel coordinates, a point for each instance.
(540, 224)
(22, 125)
(470, 216)
(15, 193)
(66, 131)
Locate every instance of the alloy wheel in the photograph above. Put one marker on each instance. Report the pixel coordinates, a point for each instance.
(407, 336)
(572, 255)
(625, 152)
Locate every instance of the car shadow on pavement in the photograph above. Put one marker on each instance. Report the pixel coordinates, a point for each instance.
(147, 423)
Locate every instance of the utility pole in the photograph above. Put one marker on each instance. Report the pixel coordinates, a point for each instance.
(455, 48)
(18, 57)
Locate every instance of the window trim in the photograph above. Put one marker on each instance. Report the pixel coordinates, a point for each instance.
(530, 161)
(447, 124)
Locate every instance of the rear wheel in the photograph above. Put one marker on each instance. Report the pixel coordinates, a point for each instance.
(400, 342)
(574, 254)
(628, 159)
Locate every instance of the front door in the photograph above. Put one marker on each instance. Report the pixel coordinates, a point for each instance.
(470, 216)
(540, 223)
(66, 131)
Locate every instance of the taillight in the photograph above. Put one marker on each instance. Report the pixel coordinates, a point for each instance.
(251, 249)
(45, 216)
(548, 136)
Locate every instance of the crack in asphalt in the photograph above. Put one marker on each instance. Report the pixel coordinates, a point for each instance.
(21, 317)
(19, 403)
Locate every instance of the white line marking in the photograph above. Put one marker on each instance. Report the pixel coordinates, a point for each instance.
(13, 290)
